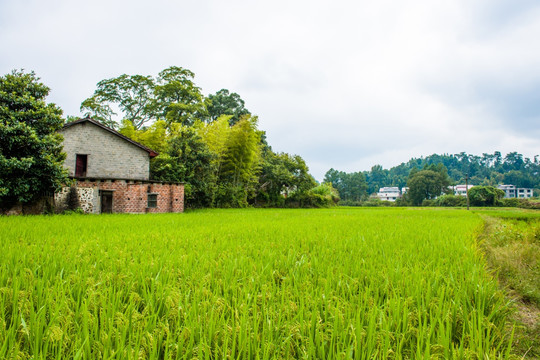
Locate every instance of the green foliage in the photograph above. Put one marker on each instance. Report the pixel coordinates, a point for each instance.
(172, 97)
(187, 159)
(427, 184)
(376, 202)
(154, 137)
(133, 94)
(351, 186)
(239, 166)
(450, 200)
(31, 155)
(511, 244)
(179, 100)
(488, 169)
(217, 137)
(320, 196)
(485, 196)
(225, 103)
(282, 174)
(376, 178)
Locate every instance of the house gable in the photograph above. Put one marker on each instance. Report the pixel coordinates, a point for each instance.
(107, 153)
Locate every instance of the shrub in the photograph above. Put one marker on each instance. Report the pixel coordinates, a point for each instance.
(451, 201)
(323, 195)
(485, 196)
(428, 202)
(510, 202)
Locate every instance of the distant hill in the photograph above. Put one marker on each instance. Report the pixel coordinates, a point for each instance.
(488, 169)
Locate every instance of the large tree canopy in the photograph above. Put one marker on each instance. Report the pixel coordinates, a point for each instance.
(132, 94)
(212, 144)
(427, 184)
(350, 186)
(171, 96)
(225, 103)
(31, 155)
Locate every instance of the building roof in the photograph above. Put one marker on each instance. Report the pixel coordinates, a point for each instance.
(150, 152)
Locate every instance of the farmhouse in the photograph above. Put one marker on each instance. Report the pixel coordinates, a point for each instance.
(389, 193)
(112, 173)
(510, 191)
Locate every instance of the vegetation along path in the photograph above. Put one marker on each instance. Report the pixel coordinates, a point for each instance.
(511, 243)
(384, 283)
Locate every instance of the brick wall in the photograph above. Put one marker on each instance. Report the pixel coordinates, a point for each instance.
(109, 156)
(132, 196)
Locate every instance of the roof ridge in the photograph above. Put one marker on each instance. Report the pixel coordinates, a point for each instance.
(152, 153)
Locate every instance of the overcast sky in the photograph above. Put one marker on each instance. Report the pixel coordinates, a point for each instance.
(344, 84)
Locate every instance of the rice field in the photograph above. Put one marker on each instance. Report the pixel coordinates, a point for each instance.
(250, 284)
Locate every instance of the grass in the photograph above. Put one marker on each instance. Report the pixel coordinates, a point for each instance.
(240, 284)
(512, 246)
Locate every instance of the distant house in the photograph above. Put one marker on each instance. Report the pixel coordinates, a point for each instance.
(510, 191)
(389, 193)
(460, 190)
(524, 193)
(112, 172)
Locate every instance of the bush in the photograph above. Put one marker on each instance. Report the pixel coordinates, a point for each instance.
(350, 203)
(323, 195)
(428, 202)
(529, 204)
(485, 196)
(510, 202)
(376, 202)
(451, 201)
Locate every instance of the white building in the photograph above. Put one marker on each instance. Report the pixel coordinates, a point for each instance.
(460, 190)
(389, 193)
(524, 193)
(510, 191)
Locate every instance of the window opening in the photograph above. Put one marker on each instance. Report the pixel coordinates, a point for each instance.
(152, 200)
(81, 163)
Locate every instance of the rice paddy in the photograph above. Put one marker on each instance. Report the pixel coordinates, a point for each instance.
(250, 284)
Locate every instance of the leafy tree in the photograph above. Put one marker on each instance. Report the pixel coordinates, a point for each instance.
(172, 96)
(216, 135)
(377, 178)
(31, 155)
(225, 103)
(243, 150)
(351, 186)
(179, 100)
(187, 159)
(485, 196)
(132, 94)
(451, 200)
(154, 137)
(323, 195)
(282, 174)
(427, 184)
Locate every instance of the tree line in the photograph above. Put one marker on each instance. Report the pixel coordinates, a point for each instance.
(211, 143)
(214, 145)
(436, 173)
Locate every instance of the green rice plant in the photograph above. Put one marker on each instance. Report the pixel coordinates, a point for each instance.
(343, 283)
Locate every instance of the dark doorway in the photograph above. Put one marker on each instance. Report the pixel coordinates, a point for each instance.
(81, 162)
(106, 202)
